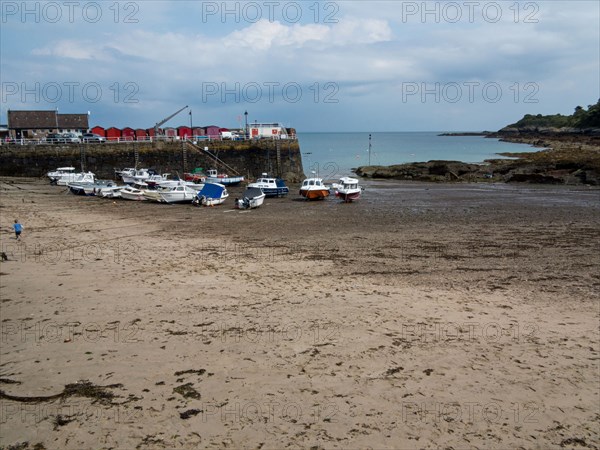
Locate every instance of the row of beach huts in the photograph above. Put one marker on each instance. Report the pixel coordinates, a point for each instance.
(184, 132)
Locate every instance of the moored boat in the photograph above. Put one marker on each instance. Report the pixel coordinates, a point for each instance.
(177, 194)
(348, 189)
(135, 176)
(90, 188)
(55, 175)
(251, 198)
(195, 176)
(314, 189)
(79, 177)
(155, 180)
(110, 192)
(222, 178)
(135, 192)
(211, 194)
(272, 187)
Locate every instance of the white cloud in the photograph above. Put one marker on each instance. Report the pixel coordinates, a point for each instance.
(72, 49)
(369, 52)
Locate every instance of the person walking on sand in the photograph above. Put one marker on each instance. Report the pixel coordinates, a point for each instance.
(18, 228)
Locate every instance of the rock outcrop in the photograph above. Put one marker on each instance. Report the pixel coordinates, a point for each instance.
(567, 158)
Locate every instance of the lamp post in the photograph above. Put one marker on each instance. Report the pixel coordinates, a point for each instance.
(369, 149)
(191, 127)
(246, 116)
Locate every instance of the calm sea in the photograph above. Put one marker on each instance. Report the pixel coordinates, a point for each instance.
(334, 154)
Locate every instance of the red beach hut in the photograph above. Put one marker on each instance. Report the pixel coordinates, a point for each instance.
(141, 134)
(100, 131)
(113, 134)
(212, 131)
(184, 132)
(128, 134)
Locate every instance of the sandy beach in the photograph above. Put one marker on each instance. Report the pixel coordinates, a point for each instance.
(421, 316)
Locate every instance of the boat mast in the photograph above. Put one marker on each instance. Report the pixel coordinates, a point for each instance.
(369, 149)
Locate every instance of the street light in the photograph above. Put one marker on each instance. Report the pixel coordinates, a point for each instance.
(246, 116)
(191, 127)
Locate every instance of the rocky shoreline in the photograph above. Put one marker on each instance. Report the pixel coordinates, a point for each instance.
(568, 157)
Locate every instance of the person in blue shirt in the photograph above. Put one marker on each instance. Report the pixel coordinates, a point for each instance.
(18, 228)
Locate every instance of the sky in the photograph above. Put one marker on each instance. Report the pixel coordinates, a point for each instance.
(313, 65)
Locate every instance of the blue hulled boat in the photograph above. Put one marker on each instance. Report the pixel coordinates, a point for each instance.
(272, 187)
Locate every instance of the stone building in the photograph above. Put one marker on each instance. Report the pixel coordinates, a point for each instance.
(33, 124)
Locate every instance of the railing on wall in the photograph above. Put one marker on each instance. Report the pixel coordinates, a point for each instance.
(128, 139)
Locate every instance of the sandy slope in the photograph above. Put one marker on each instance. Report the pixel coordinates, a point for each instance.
(422, 316)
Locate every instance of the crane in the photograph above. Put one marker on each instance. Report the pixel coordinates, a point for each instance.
(158, 124)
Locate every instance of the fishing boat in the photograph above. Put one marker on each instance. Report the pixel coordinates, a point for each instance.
(348, 189)
(272, 187)
(90, 188)
(222, 178)
(252, 198)
(135, 192)
(211, 194)
(314, 189)
(177, 194)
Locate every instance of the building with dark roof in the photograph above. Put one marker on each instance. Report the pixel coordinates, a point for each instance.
(37, 124)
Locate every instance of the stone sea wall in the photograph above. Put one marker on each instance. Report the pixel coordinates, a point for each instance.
(248, 158)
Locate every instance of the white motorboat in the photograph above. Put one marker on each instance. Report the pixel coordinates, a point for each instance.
(91, 188)
(348, 189)
(177, 194)
(173, 183)
(110, 192)
(130, 171)
(154, 194)
(140, 175)
(55, 175)
(135, 192)
(153, 180)
(272, 187)
(252, 198)
(75, 177)
(211, 194)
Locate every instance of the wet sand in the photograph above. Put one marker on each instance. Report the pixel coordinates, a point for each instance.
(421, 316)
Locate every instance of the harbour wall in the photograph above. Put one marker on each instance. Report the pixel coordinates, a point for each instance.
(249, 158)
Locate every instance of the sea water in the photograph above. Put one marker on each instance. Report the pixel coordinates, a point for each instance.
(332, 155)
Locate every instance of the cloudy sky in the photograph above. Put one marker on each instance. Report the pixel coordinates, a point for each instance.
(313, 65)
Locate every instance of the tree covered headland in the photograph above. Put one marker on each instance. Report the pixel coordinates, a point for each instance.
(581, 118)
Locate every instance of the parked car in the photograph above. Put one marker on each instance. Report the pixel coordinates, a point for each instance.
(93, 137)
(54, 138)
(71, 138)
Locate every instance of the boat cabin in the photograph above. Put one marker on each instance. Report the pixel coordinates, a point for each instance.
(312, 182)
